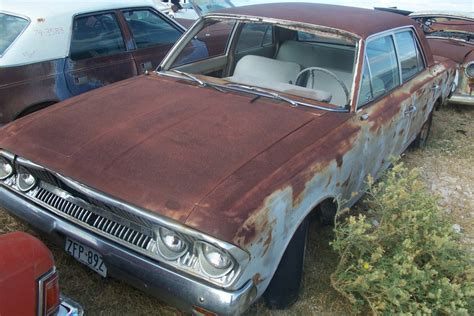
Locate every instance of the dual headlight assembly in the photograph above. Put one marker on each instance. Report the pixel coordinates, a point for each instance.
(214, 262)
(25, 181)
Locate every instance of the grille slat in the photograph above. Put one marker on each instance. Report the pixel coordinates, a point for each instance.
(89, 218)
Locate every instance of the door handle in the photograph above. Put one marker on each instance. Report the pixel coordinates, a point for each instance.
(410, 109)
(435, 87)
(80, 80)
(364, 117)
(145, 66)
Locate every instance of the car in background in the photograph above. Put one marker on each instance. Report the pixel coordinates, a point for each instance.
(29, 282)
(193, 9)
(53, 50)
(203, 197)
(451, 35)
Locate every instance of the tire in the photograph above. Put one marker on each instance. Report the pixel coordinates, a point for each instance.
(422, 137)
(327, 213)
(284, 287)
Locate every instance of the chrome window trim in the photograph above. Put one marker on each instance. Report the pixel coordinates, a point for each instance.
(390, 32)
(21, 33)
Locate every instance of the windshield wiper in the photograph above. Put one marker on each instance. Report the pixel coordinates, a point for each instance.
(197, 80)
(265, 92)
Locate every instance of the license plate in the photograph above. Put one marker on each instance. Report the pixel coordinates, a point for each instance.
(87, 256)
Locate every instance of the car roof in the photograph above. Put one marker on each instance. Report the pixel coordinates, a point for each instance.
(50, 8)
(358, 21)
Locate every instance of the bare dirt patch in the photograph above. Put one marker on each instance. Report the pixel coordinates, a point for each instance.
(446, 165)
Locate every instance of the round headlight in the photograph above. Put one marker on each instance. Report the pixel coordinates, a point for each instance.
(6, 169)
(170, 245)
(469, 70)
(215, 257)
(24, 179)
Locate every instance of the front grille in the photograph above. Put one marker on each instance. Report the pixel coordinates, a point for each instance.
(86, 217)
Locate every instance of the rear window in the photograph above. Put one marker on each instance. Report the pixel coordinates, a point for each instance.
(10, 28)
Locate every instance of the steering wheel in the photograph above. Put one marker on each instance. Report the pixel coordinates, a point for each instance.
(328, 72)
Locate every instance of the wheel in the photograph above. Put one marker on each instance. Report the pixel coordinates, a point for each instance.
(284, 287)
(422, 137)
(312, 70)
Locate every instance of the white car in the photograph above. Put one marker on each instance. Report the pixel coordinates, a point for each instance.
(54, 50)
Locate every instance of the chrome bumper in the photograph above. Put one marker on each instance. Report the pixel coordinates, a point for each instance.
(69, 308)
(461, 99)
(166, 284)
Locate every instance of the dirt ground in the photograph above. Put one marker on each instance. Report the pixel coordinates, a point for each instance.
(446, 166)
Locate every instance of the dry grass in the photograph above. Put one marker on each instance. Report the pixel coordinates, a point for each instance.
(446, 166)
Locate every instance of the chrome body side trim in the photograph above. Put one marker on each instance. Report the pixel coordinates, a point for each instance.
(461, 99)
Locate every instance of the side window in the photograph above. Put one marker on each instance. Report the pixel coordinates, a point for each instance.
(383, 65)
(96, 35)
(254, 36)
(410, 57)
(149, 29)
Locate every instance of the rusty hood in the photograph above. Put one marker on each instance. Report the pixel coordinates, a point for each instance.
(154, 142)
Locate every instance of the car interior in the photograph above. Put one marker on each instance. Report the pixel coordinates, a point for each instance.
(318, 66)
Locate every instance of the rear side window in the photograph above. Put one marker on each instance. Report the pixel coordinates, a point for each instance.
(149, 29)
(410, 57)
(10, 28)
(95, 36)
(254, 36)
(383, 65)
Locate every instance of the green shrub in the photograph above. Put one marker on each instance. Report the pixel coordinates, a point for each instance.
(402, 256)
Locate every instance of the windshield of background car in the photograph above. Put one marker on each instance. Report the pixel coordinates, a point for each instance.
(448, 27)
(206, 6)
(10, 28)
(312, 64)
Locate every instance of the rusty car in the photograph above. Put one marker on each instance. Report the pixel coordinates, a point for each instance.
(29, 281)
(451, 35)
(58, 49)
(203, 197)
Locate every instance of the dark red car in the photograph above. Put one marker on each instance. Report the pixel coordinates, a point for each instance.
(29, 282)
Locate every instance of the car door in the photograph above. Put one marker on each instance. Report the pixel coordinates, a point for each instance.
(381, 107)
(418, 80)
(153, 36)
(98, 54)
(394, 98)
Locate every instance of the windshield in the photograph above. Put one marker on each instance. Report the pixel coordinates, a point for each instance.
(10, 27)
(206, 6)
(277, 60)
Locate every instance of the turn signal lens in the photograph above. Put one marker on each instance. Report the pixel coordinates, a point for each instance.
(51, 295)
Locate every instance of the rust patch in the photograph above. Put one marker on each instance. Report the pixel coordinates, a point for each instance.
(400, 133)
(257, 279)
(266, 244)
